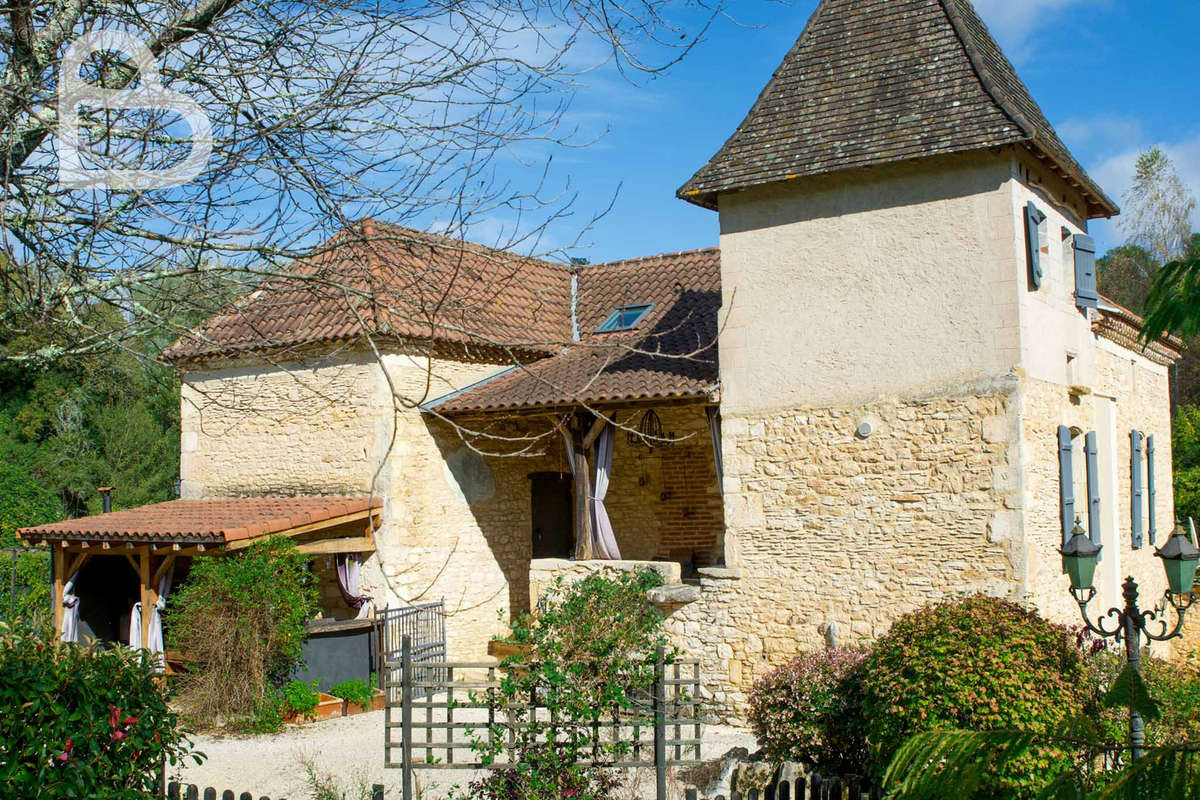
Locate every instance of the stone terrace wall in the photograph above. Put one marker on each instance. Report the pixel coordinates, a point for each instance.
(827, 528)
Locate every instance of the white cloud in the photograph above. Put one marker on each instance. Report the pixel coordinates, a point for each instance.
(1014, 21)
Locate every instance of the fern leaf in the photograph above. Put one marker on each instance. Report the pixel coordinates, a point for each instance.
(941, 764)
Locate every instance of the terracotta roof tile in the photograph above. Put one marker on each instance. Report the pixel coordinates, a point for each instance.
(672, 352)
(216, 521)
(872, 82)
(387, 279)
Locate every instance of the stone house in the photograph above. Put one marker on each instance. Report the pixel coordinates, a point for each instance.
(893, 382)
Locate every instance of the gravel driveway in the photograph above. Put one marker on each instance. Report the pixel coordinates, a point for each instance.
(352, 749)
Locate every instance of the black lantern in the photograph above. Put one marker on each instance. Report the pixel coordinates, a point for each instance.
(1180, 558)
(1079, 556)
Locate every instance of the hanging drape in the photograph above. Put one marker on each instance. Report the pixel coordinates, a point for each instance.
(714, 431)
(566, 436)
(155, 643)
(604, 542)
(349, 574)
(70, 615)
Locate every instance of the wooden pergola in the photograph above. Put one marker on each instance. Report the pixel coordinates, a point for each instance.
(152, 537)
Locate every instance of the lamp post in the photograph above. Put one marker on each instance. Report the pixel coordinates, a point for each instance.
(1130, 624)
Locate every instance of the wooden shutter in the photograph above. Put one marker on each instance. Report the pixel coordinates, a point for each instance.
(1135, 487)
(1093, 486)
(1086, 295)
(1151, 491)
(1033, 220)
(1066, 481)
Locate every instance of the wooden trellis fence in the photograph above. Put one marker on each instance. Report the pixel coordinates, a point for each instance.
(804, 787)
(447, 715)
(178, 791)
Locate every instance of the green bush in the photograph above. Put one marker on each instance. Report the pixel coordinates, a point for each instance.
(82, 723)
(1185, 449)
(25, 588)
(589, 649)
(355, 690)
(299, 697)
(239, 622)
(977, 664)
(809, 711)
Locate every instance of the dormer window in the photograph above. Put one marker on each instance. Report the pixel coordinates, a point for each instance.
(625, 318)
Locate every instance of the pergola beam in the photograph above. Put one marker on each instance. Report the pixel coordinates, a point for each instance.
(348, 544)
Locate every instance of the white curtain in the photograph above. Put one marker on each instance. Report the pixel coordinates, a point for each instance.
(566, 436)
(349, 575)
(604, 542)
(714, 431)
(70, 617)
(155, 643)
(135, 627)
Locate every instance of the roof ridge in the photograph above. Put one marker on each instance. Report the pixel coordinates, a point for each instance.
(457, 241)
(986, 79)
(654, 257)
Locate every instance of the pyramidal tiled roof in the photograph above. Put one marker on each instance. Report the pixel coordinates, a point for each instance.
(873, 82)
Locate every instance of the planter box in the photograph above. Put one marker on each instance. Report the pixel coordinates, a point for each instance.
(502, 649)
(330, 707)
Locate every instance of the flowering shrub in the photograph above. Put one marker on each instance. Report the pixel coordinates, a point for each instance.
(977, 664)
(82, 723)
(808, 711)
(543, 773)
(589, 649)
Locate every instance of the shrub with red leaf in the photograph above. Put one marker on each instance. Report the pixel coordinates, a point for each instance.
(79, 722)
(808, 711)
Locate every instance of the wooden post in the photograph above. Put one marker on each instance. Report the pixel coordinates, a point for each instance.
(583, 493)
(660, 725)
(59, 568)
(406, 774)
(147, 603)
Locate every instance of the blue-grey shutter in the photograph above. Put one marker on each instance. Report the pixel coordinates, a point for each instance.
(1066, 481)
(1151, 491)
(1086, 295)
(1135, 487)
(1033, 220)
(1093, 486)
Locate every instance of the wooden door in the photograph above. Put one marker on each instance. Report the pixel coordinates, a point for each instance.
(553, 521)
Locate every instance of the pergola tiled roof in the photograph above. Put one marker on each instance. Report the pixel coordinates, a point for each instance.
(388, 280)
(1118, 324)
(217, 522)
(872, 82)
(671, 353)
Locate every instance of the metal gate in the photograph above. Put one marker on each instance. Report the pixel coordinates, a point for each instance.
(438, 716)
(425, 627)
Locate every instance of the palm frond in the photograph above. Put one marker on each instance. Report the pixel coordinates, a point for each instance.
(1173, 302)
(1166, 773)
(940, 764)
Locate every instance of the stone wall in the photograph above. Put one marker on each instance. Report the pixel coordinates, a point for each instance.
(457, 517)
(1128, 392)
(828, 530)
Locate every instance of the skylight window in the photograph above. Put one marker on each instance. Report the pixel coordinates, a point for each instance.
(625, 318)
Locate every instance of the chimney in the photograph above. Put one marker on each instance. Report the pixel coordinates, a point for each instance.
(106, 498)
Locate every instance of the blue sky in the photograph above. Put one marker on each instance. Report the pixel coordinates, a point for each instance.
(1114, 76)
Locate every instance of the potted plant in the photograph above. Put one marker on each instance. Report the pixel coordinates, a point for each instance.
(300, 701)
(354, 692)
